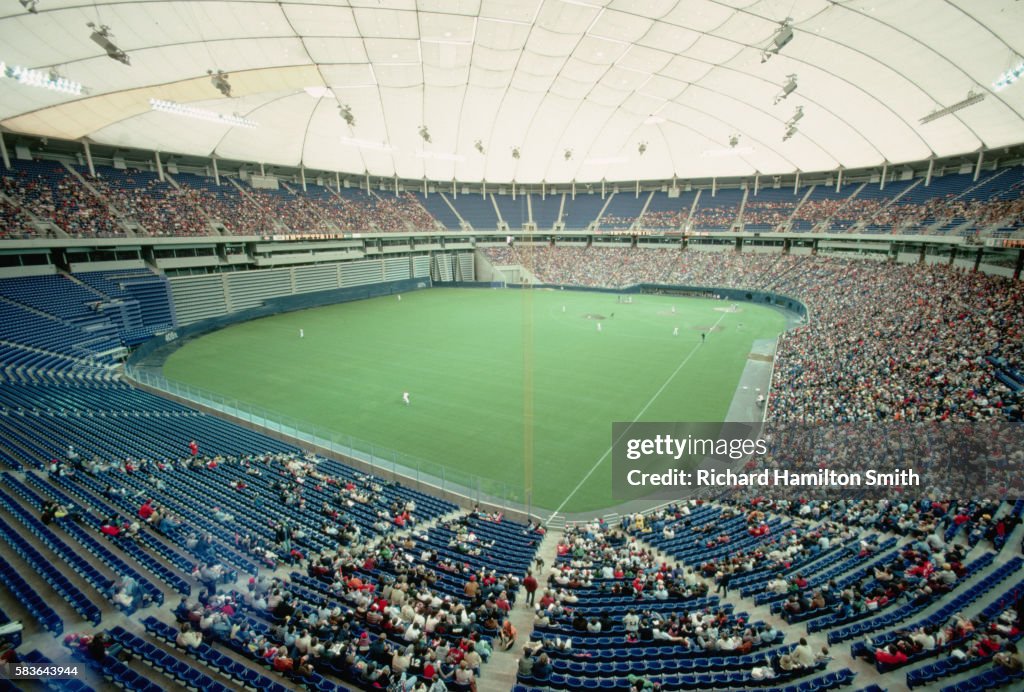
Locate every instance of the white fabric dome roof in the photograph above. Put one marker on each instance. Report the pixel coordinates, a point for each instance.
(594, 78)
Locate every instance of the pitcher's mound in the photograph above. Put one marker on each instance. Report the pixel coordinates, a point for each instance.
(593, 316)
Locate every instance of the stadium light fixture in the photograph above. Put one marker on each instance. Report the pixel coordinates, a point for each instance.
(219, 79)
(790, 131)
(788, 88)
(346, 113)
(515, 153)
(797, 116)
(973, 97)
(1009, 77)
(104, 38)
(425, 134)
(479, 146)
(641, 148)
(783, 35)
(30, 5)
(43, 80)
(567, 154)
(234, 120)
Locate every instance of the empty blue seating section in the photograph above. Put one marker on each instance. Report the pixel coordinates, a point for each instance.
(79, 601)
(580, 212)
(30, 599)
(623, 210)
(439, 209)
(63, 323)
(114, 421)
(716, 212)
(514, 212)
(546, 210)
(476, 210)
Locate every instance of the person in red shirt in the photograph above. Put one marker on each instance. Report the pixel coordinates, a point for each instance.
(530, 584)
(146, 510)
(193, 448)
(891, 656)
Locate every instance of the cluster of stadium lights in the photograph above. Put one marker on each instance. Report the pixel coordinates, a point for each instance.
(200, 114)
(784, 34)
(40, 79)
(780, 39)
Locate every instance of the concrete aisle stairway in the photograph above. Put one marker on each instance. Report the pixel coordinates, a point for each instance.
(499, 675)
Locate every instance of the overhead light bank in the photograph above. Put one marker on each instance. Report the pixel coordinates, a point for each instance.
(41, 79)
(201, 114)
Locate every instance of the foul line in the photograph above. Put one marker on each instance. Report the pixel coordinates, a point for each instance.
(642, 412)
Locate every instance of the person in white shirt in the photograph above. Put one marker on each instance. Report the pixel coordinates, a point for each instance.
(405, 398)
(803, 655)
(188, 638)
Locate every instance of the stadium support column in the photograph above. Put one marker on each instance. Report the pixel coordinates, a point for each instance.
(977, 166)
(302, 176)
(1020, 265)
(931, 169)
(885, 171)
(977, 259)
(159, 166)
(216, 173)
(88, 157)
(3, 152)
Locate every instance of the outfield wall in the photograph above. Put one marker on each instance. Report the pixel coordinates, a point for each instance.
(152, 353)
(734, 295)
(207, 296)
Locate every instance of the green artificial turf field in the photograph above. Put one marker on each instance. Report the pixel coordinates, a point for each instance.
(478, 364)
